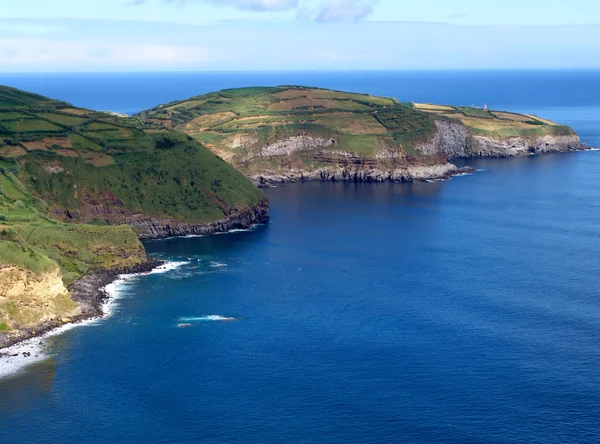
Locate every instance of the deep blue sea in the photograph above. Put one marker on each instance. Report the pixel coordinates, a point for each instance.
(459, 312)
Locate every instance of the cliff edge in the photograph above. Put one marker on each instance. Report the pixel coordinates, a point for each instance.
(295, 133)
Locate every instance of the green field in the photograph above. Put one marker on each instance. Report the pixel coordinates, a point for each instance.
(238, 124)
(60, 166)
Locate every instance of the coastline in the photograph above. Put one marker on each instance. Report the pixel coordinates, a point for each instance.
(93, 292)
(372, 175)
(408, 173)
(90, 292)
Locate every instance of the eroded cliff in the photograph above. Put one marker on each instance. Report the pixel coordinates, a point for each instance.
(28, 299)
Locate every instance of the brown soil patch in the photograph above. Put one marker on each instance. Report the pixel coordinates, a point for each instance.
(427, 107)
(154, 131)
(189, 104)
(493, 124)
(203, 122)
(299, 102)
(546, 121)
(12, 151)
(36, 145)
(165, 123)
(76, 112)
(47, 142)
(326, 94)
(98, 159)
(67, 153)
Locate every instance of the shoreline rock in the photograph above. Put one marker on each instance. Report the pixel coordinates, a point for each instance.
(89, 291)
(409, 173)
(155, 229)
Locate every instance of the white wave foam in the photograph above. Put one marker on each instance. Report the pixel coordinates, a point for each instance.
(215, 264)
(206, 318)
(13, 360)
(594, 149)
(37, 346)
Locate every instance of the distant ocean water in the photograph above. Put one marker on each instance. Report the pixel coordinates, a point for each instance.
(458, 312)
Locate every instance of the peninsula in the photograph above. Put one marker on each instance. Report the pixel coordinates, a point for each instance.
(294, 133)
(79, 189)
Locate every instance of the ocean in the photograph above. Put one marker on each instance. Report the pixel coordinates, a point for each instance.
(466, 311)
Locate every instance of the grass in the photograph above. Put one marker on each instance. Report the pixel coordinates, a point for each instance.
(49, 195)
(81, 143)
(476, 112)
(62, 119)
(238, 123)
(24, 257)
(14, 116)
(31, 125)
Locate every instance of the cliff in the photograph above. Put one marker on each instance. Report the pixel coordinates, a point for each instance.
(456, 141)
(294, 133)
(29, 299)
(79, 189)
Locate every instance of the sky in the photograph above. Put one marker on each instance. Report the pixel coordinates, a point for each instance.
(223, 35)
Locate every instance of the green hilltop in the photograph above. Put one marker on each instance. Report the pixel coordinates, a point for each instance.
(238, 124)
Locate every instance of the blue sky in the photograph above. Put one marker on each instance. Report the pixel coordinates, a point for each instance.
(167, 35)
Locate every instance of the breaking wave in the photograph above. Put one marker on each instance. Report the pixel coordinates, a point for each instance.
(16, 357)
(208, 318)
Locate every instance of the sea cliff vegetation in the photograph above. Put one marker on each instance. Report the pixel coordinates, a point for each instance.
(79, 187)
(300, 130)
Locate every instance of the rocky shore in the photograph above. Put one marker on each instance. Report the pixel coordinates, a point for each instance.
(152, 228)
(89, 291)
(343, 174)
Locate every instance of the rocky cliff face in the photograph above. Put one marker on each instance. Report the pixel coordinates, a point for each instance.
(294, 144)
(405, 173)
(153, 228)
(28, 299)
(452, 140)
(456, 142)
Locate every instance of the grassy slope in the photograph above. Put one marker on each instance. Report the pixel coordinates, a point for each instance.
(59, 164)
(237, 123)
(499, 124)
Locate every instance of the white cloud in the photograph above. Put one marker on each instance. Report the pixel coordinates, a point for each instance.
(40, 53)
(244, 5)
(338, 11)
(27, 28)
(327, 11)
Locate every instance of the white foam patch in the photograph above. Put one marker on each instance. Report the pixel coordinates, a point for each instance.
(37, 346)
(594, 149)
(217, 318)
(215, 264)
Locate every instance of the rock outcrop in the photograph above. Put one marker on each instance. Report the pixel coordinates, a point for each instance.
(303, 142)
(406, 173)
(153, 228)
(455, 141)
(28, 299)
